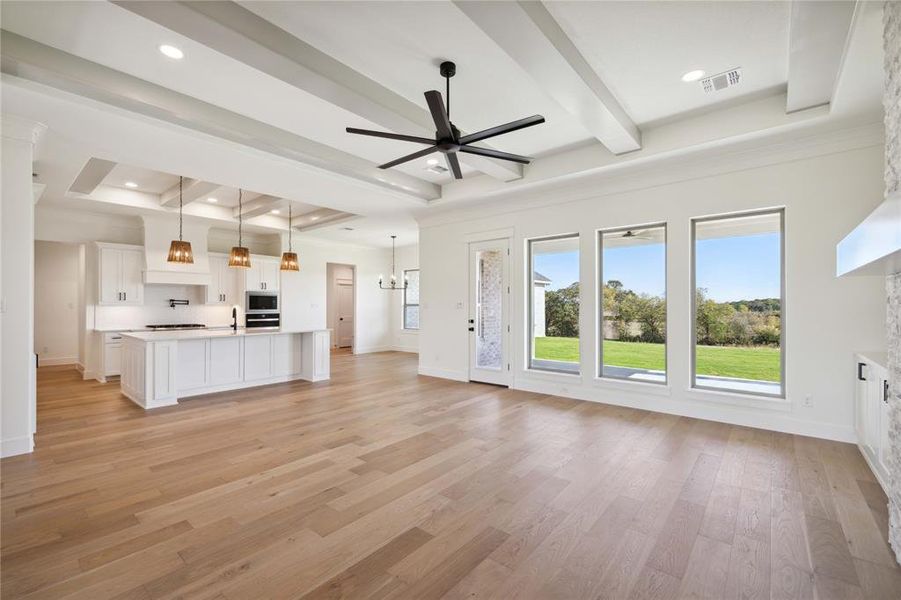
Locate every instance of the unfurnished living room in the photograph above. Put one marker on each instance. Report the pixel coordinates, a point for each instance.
(450, 299)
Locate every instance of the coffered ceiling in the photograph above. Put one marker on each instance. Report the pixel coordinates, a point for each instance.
(264, 91)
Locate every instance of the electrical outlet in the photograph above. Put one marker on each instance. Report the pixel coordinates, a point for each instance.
(808, 400)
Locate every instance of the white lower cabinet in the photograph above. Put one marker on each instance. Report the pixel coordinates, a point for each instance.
(192, 364)
(225, 361)
(871, 418)
(257, 357)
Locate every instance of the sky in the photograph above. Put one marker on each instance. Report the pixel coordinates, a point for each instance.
(732, 268)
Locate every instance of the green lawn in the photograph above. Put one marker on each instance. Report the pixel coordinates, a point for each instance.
(758, 363)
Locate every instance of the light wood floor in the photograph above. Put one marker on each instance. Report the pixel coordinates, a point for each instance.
(383, 484)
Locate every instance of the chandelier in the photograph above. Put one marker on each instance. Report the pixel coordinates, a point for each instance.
(392, 284)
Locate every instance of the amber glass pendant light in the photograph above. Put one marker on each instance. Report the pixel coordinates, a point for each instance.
(289, 258)
(179, 250)
(240, 256)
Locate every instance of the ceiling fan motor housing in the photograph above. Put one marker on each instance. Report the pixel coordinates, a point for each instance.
(448, 69)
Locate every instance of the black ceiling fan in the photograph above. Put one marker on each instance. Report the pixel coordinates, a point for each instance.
(447, 137)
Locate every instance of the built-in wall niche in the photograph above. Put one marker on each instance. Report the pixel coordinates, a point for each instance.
(267, 244)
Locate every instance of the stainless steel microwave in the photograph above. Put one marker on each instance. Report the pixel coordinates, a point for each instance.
(261, 302)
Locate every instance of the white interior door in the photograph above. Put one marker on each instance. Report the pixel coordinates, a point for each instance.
(345, 294)
(489, 312)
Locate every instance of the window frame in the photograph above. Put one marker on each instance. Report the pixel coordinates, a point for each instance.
(693, 330)
(530, 316)
(405, 304)
(600, 302)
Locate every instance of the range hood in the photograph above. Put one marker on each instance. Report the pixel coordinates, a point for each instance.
(874, 246)
(159, 231)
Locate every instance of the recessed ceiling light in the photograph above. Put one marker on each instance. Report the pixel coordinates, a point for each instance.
(432, 161)
(314, 218)
(212, 200)
(131, 184)
(347, 228)
(275, 211)
(693, 75)
(172, 52)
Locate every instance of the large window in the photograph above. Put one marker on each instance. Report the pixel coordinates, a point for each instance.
(737, 307)
(633, 303)
(411, 299)
(554, 304)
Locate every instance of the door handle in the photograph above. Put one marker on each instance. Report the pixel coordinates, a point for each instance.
(860, 367)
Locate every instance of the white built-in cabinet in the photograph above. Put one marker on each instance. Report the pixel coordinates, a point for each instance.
(871, 419)
(112, 355)
(225, 287)
(120, 274)
(262, 274)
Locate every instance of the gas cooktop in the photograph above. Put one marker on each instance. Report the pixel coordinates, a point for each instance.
(177, 326)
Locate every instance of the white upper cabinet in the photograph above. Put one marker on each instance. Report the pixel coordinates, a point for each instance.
(262, 274)
(120, 274)
(223, 288)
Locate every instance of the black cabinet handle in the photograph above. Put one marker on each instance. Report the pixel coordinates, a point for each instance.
(860, 367)
(472, 328)
(885, 390)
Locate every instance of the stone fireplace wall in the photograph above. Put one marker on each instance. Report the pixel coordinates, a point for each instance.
(892, 103)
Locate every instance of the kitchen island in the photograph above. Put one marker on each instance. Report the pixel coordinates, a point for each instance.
(160, 367)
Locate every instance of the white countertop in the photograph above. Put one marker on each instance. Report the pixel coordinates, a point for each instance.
(200, 334)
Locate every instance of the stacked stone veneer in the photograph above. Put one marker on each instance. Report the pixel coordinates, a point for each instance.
(892, 102)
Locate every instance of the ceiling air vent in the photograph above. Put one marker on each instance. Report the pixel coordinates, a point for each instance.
(724, 80)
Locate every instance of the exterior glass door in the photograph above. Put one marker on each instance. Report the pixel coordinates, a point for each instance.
(489, 312)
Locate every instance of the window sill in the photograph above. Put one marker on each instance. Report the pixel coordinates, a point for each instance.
(739, 399)
(636, 387)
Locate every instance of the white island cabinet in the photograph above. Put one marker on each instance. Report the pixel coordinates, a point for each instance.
(160, 367)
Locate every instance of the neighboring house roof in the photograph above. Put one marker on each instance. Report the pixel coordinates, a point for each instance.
(539, 278)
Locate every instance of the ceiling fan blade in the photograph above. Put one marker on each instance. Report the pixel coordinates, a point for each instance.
(502, 129)
(439, 114)
(403, 159)
(495, 154)
(390, 136)
(453, 163)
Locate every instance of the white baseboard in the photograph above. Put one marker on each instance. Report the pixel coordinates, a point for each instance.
(16, 446)
(770, 420)
(444, 373)
(52, 362)
(79, 367)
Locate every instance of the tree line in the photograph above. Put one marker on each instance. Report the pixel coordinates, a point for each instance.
(642, 317)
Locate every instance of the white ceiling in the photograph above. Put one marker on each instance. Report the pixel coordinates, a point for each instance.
(664, 40)
(389, 52)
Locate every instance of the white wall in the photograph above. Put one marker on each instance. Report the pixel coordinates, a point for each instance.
(826, 319)
(56, 302)
(17, 367)
(404, 340)
(303, 293)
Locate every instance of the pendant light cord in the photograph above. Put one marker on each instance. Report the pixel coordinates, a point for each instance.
(290, 215)
(393, 272)
(180, 206)
(447, 79)
(240, 216)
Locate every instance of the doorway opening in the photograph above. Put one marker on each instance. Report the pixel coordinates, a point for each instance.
(340, 305)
